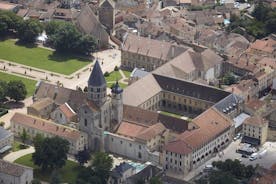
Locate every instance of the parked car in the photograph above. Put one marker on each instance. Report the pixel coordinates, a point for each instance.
(244, 156)
(254, 156)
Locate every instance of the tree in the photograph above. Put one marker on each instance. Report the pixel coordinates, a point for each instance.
(102, 163)
(260, 11)
(50, 152)
(16, 90)
(86, 45)
(83, 156)
(55, 177)
(229, 79)
(29, 30)
(24, 136)
(65, 37)
(218, 177)
(3, 89)
(52, 27)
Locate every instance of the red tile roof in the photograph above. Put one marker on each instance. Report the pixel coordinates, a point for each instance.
(45, 126)
(67, 111)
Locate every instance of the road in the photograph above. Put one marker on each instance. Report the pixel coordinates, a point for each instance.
(11, 157)
(230, 153)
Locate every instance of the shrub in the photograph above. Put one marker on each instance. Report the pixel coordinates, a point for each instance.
(106, 74)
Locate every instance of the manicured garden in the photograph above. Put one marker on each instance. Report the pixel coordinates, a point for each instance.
(40, 58)
(30, 84)
(113, 76)
(68, 173)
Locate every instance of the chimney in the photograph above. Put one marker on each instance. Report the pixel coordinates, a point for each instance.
(57, 128)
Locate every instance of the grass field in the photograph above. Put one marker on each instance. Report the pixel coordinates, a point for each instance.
(113, 76)
(68, 173)
(40, 58)
(30, 84)
(127, 73)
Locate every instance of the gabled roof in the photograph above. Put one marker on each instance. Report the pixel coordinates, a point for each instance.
(12, 168)
(88, 23)
(42, 103)
(96, 77)
(67, 110)
(46, 126)
(107, 3)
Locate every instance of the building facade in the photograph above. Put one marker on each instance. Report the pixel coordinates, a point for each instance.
(33, 126)
(100, 113)
(6, 140)
(11, 173)
(255, 128)
(141, 52)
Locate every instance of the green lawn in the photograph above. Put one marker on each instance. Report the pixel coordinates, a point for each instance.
(127, 73)
(68, 173)
(113, 76)
(30, 84)
(40, 58)
(16, 146)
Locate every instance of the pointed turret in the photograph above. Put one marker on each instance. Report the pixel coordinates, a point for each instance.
(96, 77)
(97, 85)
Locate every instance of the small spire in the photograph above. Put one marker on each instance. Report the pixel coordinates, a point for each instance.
(116, 88)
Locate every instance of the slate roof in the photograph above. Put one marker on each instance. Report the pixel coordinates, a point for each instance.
(145, 88)
(139, 73)
(191, 89)
(120, 169)
(229, 102)
(12, 169)
(146, 173)
(96, 77)
(4, 133)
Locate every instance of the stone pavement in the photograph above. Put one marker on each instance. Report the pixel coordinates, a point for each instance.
(6, 118)
(11, 157)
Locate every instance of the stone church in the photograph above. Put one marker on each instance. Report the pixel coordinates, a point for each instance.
(100, 112)
(96, 111)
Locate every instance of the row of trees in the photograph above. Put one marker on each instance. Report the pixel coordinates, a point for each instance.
(26, 30)
(228, 172)
(15, 90)
(64, 37)
(263, 24)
